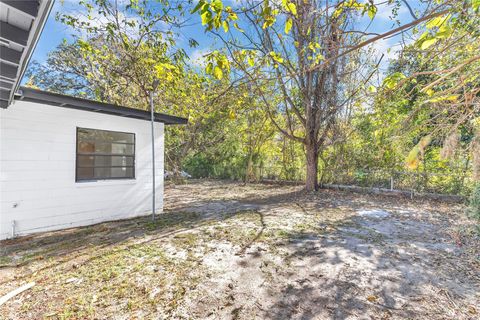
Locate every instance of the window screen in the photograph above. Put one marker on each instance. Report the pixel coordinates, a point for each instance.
(105, 155)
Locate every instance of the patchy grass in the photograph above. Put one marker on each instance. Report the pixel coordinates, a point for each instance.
(226, 250)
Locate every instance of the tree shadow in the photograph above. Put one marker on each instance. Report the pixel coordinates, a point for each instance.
(257, 236)
(370, 273)
(182, 213)
(363, 267)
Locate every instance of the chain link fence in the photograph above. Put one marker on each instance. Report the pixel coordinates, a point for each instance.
(449, 183)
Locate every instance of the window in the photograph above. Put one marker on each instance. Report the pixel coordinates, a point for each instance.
(103, 155)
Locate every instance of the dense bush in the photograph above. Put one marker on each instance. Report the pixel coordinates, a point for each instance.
(474, 206)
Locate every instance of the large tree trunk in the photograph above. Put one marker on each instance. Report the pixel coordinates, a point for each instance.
(311, 181)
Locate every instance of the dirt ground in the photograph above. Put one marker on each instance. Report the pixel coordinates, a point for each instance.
(224, 250)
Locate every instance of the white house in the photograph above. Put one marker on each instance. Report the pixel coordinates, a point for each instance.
(66, 161)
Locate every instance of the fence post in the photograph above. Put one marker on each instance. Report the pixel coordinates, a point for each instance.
(391, 182)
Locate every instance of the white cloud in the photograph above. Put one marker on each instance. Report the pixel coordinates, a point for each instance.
(237, 4)
(385, 12)
(388, 47)
(94, 18)
(197, 57)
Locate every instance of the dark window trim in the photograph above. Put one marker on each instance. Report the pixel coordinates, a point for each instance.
(98, 154)
(106, 167)
(87, 154)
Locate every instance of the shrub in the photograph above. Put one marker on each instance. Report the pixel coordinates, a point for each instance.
(474, 204)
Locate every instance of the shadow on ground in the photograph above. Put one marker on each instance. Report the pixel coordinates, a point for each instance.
(280, 253)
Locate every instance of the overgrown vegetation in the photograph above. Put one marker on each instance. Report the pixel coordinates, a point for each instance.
(474, 205)
(292, 90)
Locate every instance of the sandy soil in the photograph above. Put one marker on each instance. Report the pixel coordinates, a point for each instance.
(228, 251)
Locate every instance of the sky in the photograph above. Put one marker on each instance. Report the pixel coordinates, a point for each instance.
(55, 32)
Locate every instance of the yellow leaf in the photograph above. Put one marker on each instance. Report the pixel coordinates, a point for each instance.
(218, 73)
(428, 43)
(238, 28)
(412, 160)
(372, 11)
(209, 68)
(206, 17)
(424, 142)
(288, 25)
(437, 22)
(292, 8)
(276, 57)
(225, 26)
(452, 97)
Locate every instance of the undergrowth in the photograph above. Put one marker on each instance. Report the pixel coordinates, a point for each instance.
(474, 206)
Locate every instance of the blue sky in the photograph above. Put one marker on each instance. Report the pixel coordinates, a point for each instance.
(54, 31)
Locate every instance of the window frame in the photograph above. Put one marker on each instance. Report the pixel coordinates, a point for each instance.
(77, 154)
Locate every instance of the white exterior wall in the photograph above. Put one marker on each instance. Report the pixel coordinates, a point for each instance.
(37, 170)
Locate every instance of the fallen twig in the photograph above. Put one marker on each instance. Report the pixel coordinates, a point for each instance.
(13, 293)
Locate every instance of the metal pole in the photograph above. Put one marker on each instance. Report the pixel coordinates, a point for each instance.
(13, 229)
(152, 122)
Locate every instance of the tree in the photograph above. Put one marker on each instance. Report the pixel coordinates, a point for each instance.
(307, 51)
(118, 49)
(439, 75)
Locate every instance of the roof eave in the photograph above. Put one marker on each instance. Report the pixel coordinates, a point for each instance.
(36, 29)
(60, 100)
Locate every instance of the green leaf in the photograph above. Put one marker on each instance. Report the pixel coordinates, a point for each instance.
(475, 4)
(391, 81)
(428, 43)
(288, 25)
(372, 89)
(198, 6)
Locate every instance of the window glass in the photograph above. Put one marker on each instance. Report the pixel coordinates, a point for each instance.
(105, 154)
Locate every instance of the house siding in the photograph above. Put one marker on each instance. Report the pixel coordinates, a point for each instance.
(37, 170)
